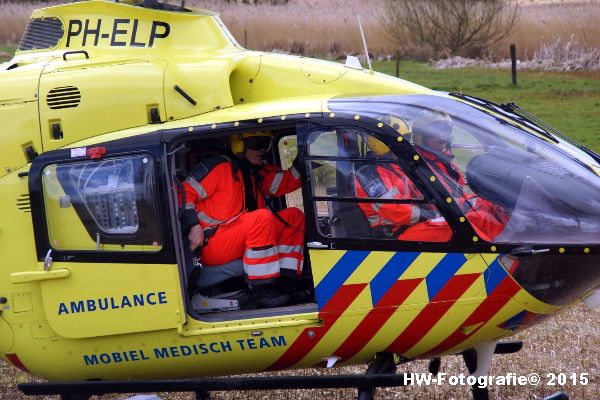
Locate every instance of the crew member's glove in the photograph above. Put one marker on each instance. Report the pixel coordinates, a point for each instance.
(426, 214)
(188, 219)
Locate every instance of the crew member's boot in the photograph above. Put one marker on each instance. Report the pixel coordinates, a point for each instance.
(268, 296)
(300, 290)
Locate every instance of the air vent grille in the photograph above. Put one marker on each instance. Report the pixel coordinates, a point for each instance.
(23, 203)
(42, 33)
(63, 97)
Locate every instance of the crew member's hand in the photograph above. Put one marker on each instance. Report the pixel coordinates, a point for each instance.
(196, 237)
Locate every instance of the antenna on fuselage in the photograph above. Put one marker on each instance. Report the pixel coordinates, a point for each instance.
(364, 42)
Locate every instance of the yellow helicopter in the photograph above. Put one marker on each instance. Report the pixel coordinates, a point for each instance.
(108, 106)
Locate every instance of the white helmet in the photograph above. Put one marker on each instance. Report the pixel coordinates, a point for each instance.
(432, 124)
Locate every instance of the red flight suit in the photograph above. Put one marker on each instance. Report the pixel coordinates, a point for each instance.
(487, 218)
(265, 242)
(387, 181)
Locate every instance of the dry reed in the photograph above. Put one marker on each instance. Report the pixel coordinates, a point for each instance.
(556, 56)
(13, 19)
(543, 24)
(568, 56)
(329, 28)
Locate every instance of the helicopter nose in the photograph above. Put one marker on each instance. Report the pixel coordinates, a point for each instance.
(556, 279)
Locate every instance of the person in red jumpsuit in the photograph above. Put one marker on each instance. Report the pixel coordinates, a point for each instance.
(386, 180)
(432, 133)
(226, 199)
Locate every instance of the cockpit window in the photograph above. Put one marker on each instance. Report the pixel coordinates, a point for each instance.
(102, 205)
(361, 191)
(512, 184)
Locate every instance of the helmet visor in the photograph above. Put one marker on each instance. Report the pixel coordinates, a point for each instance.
(258, 142)
(440, 129)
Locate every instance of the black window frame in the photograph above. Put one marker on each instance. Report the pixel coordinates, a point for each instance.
(146, 144)
(415, 168)
(462, 241)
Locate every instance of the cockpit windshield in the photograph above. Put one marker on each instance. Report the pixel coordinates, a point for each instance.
(513, 183)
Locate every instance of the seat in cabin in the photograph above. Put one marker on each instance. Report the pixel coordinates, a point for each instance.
(219, 287)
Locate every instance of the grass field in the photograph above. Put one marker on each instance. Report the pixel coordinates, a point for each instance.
(569, 343)
(6, 52)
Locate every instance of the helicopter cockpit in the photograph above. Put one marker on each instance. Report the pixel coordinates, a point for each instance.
(547, 187)
(519, 185)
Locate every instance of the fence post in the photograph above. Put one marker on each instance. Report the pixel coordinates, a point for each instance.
(397, 64)
(513, 59)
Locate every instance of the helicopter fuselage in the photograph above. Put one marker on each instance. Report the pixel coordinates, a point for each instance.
(99, 86)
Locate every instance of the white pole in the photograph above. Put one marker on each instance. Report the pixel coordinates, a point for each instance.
(364, 43)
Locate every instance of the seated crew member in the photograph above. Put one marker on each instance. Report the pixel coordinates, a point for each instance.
(226, 215)
(433, 140)
(387, 181)
(432, 132)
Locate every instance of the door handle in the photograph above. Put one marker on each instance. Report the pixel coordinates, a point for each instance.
(317, 245)
(48, 260)
(35, 276)
(68, 53)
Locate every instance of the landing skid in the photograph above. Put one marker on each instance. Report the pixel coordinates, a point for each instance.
(380, 373)
(202, 387)
(383, 364)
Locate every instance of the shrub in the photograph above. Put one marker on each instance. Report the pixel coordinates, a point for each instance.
(449, 27)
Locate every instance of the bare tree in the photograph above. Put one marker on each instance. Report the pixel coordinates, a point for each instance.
(450, 27)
